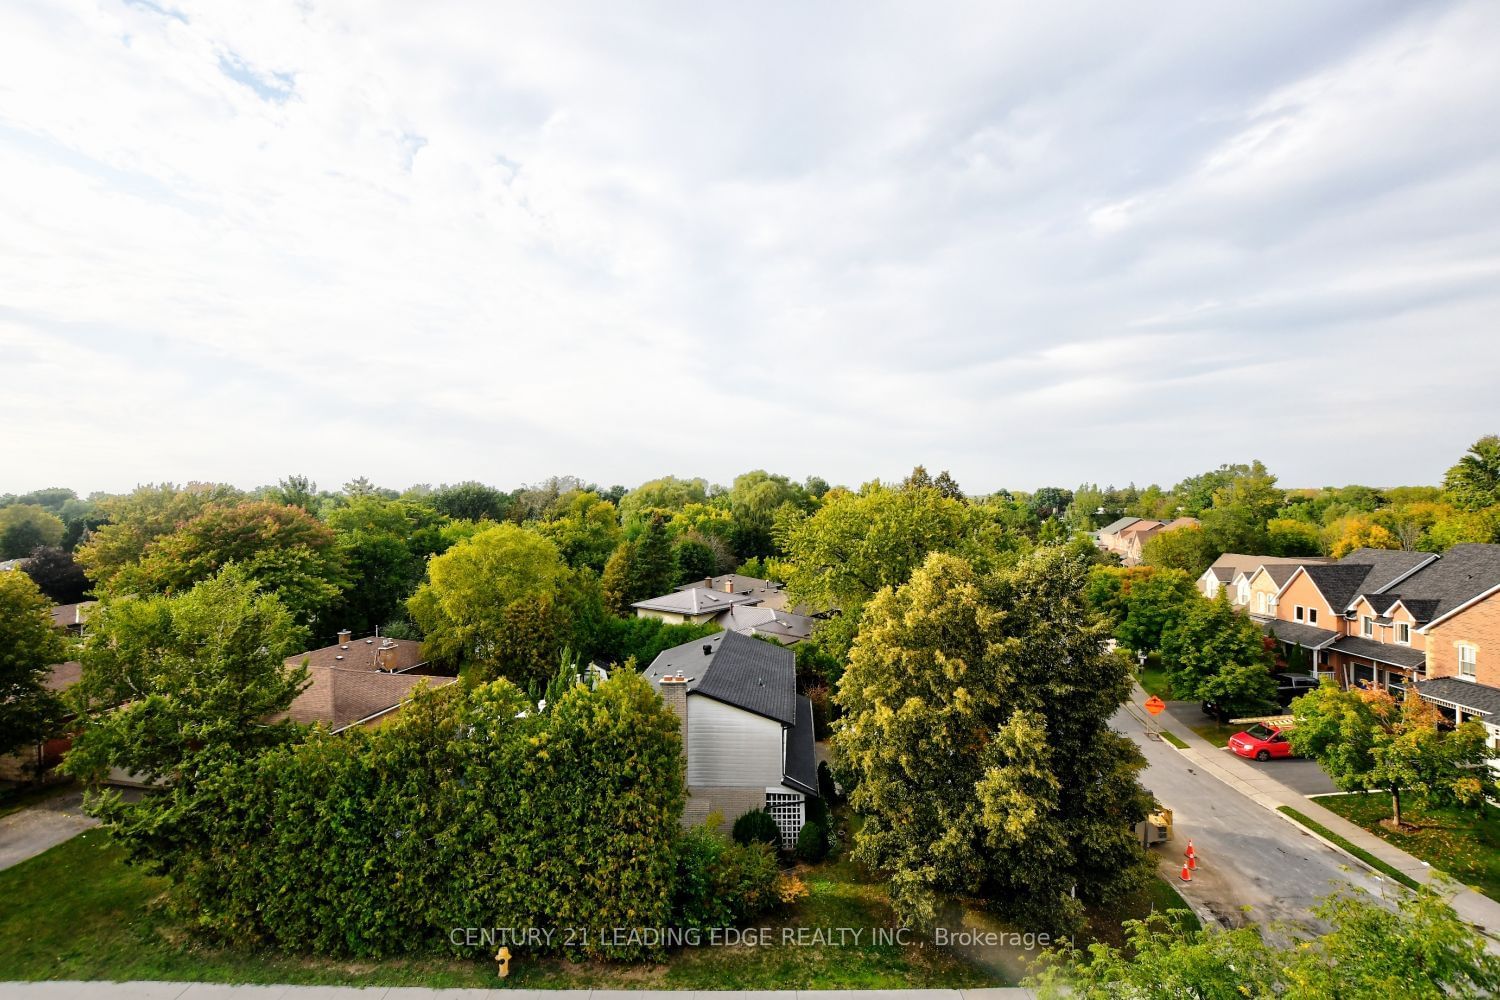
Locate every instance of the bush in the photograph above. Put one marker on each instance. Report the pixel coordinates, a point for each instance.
(827, 787)
(812, 842)
(470, 809)
(757, 827)
(817, 811)
(720, 883)
(790, 890)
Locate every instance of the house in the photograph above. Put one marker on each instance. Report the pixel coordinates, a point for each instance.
(765, 593)
(783, 626)
(693, 605)
(359, 682)
(31, 762)
(1316, 610)
(71, 617)
(1236, 571)
(746, 733)
(1126, 536)
(735, 603)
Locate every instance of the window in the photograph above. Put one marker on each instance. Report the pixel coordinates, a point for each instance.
(1467, 655)
(1367, 626)
(1244, 593)
(1312, 616)
(1297, 612)
(1403, 633)
(1261, 603)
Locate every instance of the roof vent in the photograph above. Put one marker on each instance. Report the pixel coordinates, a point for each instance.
(337, 657)
(368, 641)
(707, 648)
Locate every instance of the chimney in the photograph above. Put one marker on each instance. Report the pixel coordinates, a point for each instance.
(344, 635)
(729, 584)
(385, 657)
(708, 583)
(674, 693)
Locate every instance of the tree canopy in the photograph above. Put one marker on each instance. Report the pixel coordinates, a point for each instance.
(29, 646)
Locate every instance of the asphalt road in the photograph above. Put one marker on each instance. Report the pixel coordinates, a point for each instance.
(1252, 865)
(30, 831)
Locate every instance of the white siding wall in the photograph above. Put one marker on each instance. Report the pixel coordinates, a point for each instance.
(728, 746)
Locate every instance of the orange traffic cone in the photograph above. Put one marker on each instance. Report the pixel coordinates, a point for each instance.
(1187, 873)
(1190, 852)
(1192, 862)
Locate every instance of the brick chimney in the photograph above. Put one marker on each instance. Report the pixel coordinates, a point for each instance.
(674, 693)
(385, 657)
(729, 584)
(344, 635)
(708, 583)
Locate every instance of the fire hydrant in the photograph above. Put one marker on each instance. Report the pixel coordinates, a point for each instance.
(503, 958)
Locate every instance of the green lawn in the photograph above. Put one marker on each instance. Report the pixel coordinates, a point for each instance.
(1153, 678)
(1173, 739)
(78, 912)
(1463, 843)
(1217, 733)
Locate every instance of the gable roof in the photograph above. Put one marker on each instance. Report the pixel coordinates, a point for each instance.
(340, 697)
(1115, 527)
(800, 765)
(1231, 564)
(759, 677)
(1386, 566)
(1141, 525)
(694, 601)
(1455, 579)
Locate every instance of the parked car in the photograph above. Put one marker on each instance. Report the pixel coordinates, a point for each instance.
(1261, 742)
(1290, 686)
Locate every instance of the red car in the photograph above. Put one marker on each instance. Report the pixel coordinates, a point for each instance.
(1261, 742)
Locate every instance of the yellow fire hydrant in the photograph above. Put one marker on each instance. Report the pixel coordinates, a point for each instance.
(503, 958)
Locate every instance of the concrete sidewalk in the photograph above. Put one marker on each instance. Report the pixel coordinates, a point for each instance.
(30, 831)
(1252, 780)
(217, 991)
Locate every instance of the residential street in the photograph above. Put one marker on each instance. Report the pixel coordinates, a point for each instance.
(1247, 856)
(34, 829)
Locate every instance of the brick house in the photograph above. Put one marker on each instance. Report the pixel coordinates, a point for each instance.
(1235, 572)
(1126, 536)
(359, 682)
(746, 733)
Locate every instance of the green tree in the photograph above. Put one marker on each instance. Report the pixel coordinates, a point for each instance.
(470, 501)
(296, 491)
(171, 686)
(26, 527)
(1141, 601)
(1368, 741)
(1214, 653)
(384, 545)
(643, 568)
(586, 530)
(1288, 537)
(754, 500)
(664, 495)
(29, 645)
(1188, 548)
(1474, 483)
(1420, 948)
(285, 549)
(483, 593)
(1358, 531)
(976, 729)
(133, 521)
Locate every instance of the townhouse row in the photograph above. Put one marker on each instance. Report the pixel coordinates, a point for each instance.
(1380, 618)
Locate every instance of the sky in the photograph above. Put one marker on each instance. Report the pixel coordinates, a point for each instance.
(1029, 243)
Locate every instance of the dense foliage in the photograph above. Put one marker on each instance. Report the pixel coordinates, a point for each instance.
(28, 646)
(1213, 653)
(976, 729)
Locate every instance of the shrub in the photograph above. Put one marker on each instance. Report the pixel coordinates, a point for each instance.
(790, 890)
(720, 883)
(817, 811)
(757, 827)
(827, 787)
(470, 809)
(812, 842)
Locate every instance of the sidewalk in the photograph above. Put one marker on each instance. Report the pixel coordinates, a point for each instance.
(30, 831)
(219, 991)
(1253, 781)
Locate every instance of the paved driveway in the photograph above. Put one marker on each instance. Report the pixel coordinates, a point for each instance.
(31, 831)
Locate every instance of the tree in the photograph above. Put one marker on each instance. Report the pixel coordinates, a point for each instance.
(1358, 531)
(57, 574)
(384, 545)
(948, 486)
(1050, 501)
(29, 645)
(133, 521)
(976, 730)
(754, 500)
(1288, 537)
(297, 491)
(1420, 949)
(1455, 527)
(1141, 601)
(285, 549)
(1187, 548)
(1474, 483)
(483, 594)
(1368, 741)
(1214, 653)
(640, 569)
(664, 495)
(470, 501)
(586, 530)
(26, 527)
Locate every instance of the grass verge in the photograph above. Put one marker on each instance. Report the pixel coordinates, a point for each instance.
(1217, 733)
(1173, 739)
(1358, 852)
(1463, 843)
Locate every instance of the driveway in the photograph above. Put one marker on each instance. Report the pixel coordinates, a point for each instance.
(1247, 855)
(31, 831)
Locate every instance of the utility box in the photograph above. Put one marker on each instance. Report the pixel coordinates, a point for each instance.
(1156, 828)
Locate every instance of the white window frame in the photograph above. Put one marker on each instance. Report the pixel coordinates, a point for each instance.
(1244, 592)
(1262, 604)
(1298, 613)
(1471, 661)
(1367, 626)
(1312, 616)
(1403, 633)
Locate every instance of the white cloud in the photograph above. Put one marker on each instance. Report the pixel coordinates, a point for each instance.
(505, 242)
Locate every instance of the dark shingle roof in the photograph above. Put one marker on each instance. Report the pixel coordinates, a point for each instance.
(801, 768)
(1369, 649)
(1461, 574)
(1306, 636)
(1451, 691)
(1381, 603)
(1386, 566)
(1339, 583)
(760, 677)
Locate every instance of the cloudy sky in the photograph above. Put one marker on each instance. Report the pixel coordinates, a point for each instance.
(1030, 243)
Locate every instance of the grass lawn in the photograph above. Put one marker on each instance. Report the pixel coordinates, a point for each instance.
(1173, 739)
(1217, 733)
(1463, 843)
(1153, 678)
(78, 912)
